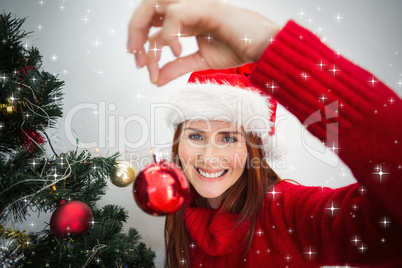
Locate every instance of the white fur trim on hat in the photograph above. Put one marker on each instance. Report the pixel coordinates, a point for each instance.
(219, 102)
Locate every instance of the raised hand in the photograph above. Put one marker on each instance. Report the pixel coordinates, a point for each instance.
(227, 36)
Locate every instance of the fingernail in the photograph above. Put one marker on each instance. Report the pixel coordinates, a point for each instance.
(128, 48)
(137, 62)
(154, 78)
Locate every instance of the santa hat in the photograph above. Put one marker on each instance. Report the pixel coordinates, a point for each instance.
(227, 95)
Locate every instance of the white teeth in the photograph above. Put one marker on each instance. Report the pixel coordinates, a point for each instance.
(211, 175)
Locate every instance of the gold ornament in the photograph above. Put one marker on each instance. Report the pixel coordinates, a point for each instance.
(123, 175)
(8, 109)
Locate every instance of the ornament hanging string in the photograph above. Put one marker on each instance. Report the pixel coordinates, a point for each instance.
(48, 119)
(94, 251)
(44, 179)
(23, 122)
(63, 178)
(30, 108)
(24, 198)
(26, 86)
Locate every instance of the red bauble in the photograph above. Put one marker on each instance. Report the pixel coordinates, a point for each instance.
(74, 217)
(160, 188)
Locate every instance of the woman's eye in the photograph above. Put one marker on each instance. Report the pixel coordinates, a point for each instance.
(194, 137)
(230, 139)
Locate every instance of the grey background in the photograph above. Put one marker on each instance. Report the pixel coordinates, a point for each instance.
(84, 42)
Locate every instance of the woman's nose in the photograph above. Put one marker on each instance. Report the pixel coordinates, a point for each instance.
(211, 156)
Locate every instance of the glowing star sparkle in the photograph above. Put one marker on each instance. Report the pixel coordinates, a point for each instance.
(138, 96)
(55, 175)
(155, 49)
(301, 13)
(334, 70)
(363, 248)
(310, 253)
(12, 99)
(85, 19)
(305, 76)
(179, 34)
(321, 64)
(338, 17)
(96, 43)
(373, 81)
(333, 148)
(323, 98)
(209, 37)
(273, 192)
(246, 40)
(356, 240)
(380, 172)
(332, 208)
(271, 86)
(385, 222)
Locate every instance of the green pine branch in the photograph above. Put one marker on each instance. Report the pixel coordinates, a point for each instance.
(31, 181)
(102, 246)
(43, 183)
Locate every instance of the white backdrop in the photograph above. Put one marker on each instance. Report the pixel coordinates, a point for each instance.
(107, 102)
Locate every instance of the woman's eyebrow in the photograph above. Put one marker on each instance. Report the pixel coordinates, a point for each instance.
(221, 132)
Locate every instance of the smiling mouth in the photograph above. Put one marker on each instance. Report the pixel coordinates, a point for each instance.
(211, 175)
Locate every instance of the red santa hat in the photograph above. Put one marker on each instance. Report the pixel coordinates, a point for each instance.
(226, 95)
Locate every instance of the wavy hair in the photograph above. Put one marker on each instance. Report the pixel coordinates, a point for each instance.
(244, 198)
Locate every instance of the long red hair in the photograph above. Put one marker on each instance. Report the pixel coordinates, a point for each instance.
(244, 198)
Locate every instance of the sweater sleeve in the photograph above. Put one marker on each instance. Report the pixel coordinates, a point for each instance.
(358, 116)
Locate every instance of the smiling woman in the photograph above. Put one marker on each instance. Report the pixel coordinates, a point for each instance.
(240, 214)
(212, 161)
(224, 160)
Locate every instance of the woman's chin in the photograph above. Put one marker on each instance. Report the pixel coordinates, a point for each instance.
(208, 194)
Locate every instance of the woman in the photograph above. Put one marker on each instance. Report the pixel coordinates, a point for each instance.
(237, 223)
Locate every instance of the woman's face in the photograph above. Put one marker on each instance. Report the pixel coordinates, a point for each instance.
(213, 155)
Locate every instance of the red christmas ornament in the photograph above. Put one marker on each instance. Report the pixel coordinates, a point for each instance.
(74, 217)
(160, 188)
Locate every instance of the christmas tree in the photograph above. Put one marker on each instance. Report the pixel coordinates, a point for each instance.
(69, 184)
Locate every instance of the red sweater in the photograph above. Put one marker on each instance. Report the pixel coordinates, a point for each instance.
(300, 226)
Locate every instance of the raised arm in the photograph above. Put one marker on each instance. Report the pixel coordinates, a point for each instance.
(350, 109)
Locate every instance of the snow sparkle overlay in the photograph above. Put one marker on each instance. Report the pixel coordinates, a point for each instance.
(89, 34)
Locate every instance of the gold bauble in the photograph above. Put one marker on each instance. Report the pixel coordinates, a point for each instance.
(124, 174)
(8, 109)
